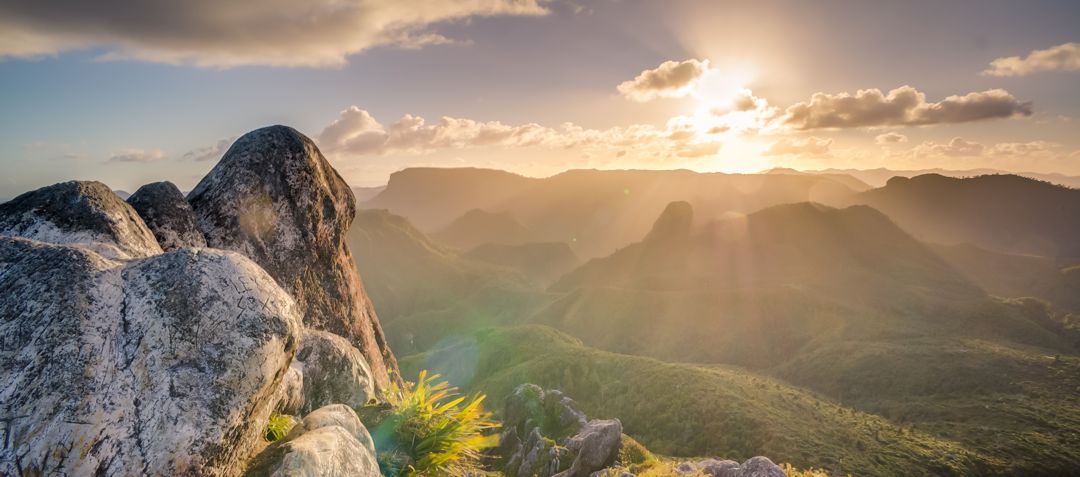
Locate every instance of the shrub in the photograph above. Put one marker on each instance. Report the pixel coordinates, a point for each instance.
(427, 429)
(278, 426)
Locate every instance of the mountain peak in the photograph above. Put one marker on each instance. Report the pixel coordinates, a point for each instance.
(676, 220)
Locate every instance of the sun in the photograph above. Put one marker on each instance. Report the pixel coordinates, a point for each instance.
(720, 86)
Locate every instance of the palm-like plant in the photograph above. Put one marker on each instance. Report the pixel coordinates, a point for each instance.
(439, 432)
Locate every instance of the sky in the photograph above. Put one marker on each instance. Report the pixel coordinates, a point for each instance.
(132, 91)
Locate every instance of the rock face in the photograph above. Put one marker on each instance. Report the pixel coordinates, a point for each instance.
(86, 214)
(582, 446)
(330, 442)
(161, 366)
(333, 371)
(164, 210)
(274, 198)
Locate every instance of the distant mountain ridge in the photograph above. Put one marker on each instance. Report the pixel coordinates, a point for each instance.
(998, 212)
(595, 211)
(878, 177)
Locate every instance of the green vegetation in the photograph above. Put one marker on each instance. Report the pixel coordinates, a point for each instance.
(860, 349)
(426, 429)
(687, 410)
(279, 426)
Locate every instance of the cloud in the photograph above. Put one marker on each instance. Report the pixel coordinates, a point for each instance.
(224, 33)
(357, 133)
(960, 147)
(672, 79)
(890, 138)
(956, 147)
(212, 152)
(810, 146)
(1064, 57)
(136, 155)
(903, 106)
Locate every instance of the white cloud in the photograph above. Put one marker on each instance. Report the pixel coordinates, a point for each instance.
(225, 33)
(903, 106)
(890, 137)
(1064, 57)
(955, 147)
(357, 133)
(809, 146)
(136, 155)
(672, 79)
(960, 147)
(212, 152)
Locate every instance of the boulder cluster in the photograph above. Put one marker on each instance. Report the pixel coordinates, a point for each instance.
(157, 336)
(545, 434)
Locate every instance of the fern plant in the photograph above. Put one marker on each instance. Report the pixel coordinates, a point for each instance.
(432, 430)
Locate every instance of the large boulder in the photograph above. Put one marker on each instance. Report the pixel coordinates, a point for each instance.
(85, 214)
(161, 366)
(329, 442)
(333, 371)
(168, 215)
(274, 198)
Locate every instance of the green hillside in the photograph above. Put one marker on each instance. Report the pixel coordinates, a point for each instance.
(687, 410)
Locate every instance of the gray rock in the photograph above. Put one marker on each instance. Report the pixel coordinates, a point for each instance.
(331, 441)
(754, 467)
(343, 416)
(325, 452)
(334, 371)
(84, 214)
(290, 395)
(595, 446)
(274, 198)
(161, 366)
(760, 467)
(718, 468)
(164, 210)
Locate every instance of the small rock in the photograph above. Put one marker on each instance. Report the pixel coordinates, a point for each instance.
(343, 416)
(164, 210)
(330, 451)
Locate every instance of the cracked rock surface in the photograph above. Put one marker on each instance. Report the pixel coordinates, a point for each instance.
(166, 365)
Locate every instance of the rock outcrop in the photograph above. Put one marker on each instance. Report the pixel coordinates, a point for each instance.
(161, 366)
(86, 214)
(274, 198)
(329, 442)
(333, 371)
(558, 439)
(168, 215)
